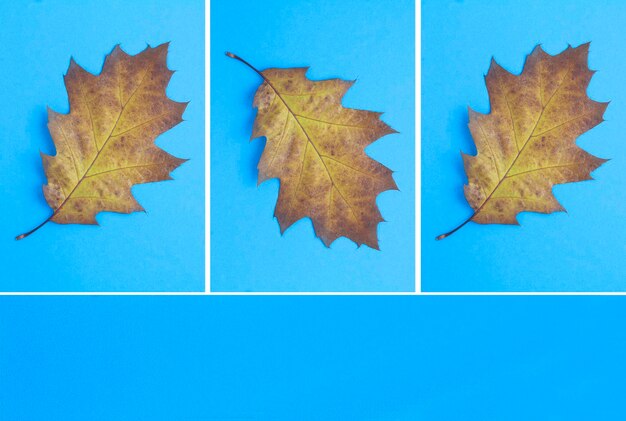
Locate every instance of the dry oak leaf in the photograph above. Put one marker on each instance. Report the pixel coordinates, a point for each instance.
(315, 147)
(527, 143)
(105, 145)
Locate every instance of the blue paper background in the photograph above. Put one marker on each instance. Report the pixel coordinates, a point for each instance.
(162, 250)
(312, 358)
(369, 40)
(582, 250)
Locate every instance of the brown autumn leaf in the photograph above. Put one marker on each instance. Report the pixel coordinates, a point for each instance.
(527, 143)
(315, 147)
(105, 145)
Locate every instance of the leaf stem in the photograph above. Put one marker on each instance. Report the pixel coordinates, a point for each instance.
(26, 234)
(236, 57)
(447, 234)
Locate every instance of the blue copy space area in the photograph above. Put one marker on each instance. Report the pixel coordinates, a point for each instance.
(160, 250)
(582, 250)
(371, 41)
(312, 358)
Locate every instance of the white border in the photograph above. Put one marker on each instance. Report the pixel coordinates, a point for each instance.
(376, 294)
(418, 178)
(418, 146)
(207, 146)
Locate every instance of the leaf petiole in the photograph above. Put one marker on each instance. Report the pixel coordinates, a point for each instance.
(447, 234)
(236, 57)
(26, 234)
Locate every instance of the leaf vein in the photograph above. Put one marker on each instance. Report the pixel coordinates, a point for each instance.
(333, 123)
(540, 169)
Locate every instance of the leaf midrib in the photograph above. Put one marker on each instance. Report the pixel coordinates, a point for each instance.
(84, 175)
(520, 152)
(321, 157)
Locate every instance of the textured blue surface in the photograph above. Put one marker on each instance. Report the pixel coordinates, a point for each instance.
(312, 358)
(371, 41)
(582, 250)
(162, 249)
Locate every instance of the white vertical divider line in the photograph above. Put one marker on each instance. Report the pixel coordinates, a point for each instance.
(207, 147)
(418, 146)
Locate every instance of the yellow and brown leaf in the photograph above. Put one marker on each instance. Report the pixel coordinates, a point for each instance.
(527, 143)
(105, 145)
(315, 146)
